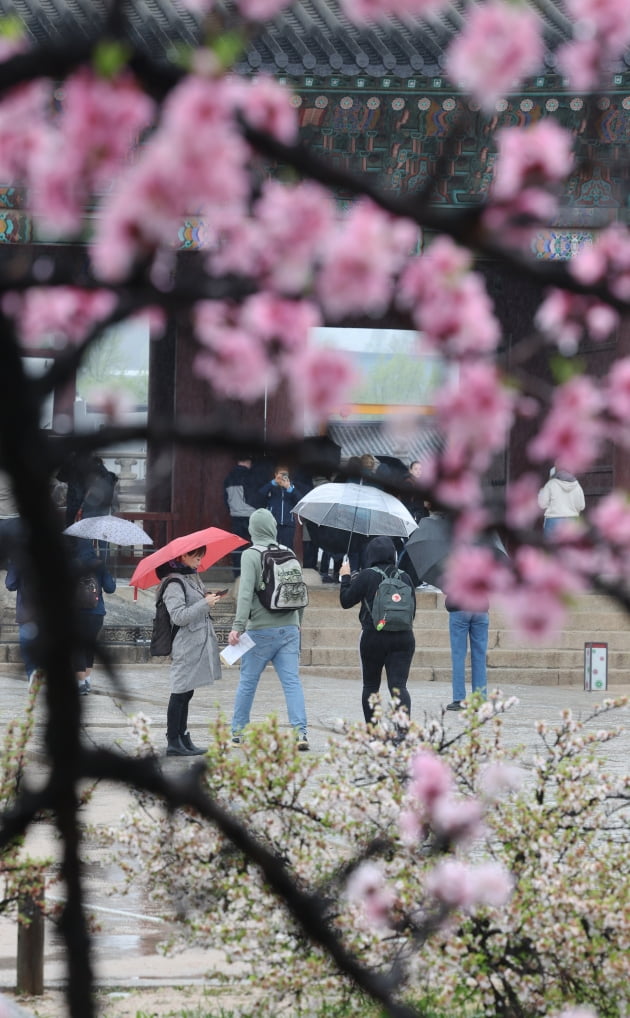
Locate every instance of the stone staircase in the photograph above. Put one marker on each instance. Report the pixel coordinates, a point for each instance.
(330, 637)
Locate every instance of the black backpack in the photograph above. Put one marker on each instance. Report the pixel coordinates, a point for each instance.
(88, 593)
(394, 603)
(164, 631)
(282, 586)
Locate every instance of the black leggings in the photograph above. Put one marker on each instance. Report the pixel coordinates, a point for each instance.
(392, 651)
(177, 714)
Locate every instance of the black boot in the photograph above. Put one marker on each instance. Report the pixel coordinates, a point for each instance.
(190, 746)
(176, 747)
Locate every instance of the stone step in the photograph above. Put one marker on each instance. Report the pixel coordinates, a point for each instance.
(441, 658)
(497, 677)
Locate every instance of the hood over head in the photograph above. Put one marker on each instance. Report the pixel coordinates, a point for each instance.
(262, 527)
(564, 475)
(380, 551)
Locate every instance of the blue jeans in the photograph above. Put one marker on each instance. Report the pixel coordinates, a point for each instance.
(463, 626)
(279, 646)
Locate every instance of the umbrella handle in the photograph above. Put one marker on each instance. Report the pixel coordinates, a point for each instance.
(354, 519)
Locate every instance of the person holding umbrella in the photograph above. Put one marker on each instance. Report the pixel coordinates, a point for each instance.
(195, 654)
(391, 650)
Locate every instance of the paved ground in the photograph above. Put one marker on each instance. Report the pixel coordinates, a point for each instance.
(128, 931)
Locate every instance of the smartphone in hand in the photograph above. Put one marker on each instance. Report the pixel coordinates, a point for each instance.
(221, 593)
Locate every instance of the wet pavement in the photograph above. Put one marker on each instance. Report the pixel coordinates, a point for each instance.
(126, 944)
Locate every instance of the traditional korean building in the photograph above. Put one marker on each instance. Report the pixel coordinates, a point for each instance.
(375, 100)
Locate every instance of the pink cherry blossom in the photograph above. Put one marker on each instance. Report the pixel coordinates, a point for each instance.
(498, 47)
(236, 365)
(360, 259)
(459, 820)
(450, 883)
(319, 381)
(540, 154)
(565, 317)
(581, 62)
(449, 303)
(412, 829)
(475, 410)
(617, 389)
(261, 10)
(499, 777)
(430, 779)
(378, 10)
(611, 516)
(266, 105)
(608, 259)
(367, 888)
(283, 325)
(540, 571)
(57, 316)
(472, 575)
(606, 20)
(572, 432)
(521, 498)
(533, 615)
(492, 884)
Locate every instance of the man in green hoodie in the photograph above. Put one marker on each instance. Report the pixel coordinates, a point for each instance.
(276, 636)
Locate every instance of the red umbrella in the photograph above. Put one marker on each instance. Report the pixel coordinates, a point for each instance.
(218, 543)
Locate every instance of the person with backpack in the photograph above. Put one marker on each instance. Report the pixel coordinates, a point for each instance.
(271, 600)
(93, 577)
(388, 607)
(195, 660)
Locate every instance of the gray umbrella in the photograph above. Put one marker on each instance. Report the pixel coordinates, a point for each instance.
(113, 529)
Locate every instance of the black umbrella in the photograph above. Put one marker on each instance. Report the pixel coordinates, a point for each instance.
(426, 553)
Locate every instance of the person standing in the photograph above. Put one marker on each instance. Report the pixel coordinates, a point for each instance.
(10, 524)
(276, 637)
(561, 499)
(93, 577)
(25, 617)
(279, 496)
(465, 626)
(195, 658)
(237, 491)
(411, 496)
(391, 650)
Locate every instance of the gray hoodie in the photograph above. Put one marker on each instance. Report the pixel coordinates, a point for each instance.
(250, 613)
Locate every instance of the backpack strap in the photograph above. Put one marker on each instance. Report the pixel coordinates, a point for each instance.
(165, 582)
(375, 569)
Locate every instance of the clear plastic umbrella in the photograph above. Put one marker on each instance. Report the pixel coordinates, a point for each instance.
(356, 509)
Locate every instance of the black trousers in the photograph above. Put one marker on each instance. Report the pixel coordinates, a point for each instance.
(393, 652)
(177, 714)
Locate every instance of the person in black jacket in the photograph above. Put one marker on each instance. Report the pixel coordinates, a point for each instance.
(390, 650)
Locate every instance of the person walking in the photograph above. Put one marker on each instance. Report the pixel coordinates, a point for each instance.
(561, 499)
(93, 578)
(391, 650)
(238, 494)
(195, 658)
(276, 637)
(465, 626)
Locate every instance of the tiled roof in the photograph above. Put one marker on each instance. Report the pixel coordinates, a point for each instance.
(313, 37)
(358, 437)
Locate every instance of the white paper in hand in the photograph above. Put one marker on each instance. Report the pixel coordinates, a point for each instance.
(231, 654)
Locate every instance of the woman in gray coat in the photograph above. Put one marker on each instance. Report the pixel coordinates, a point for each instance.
(195, 654)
